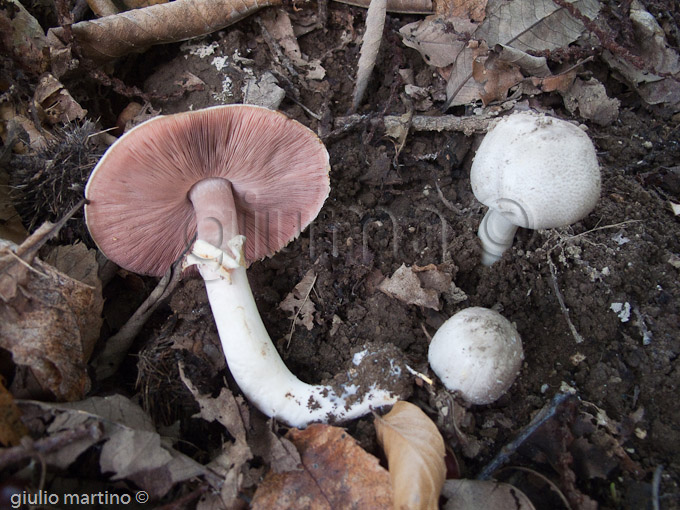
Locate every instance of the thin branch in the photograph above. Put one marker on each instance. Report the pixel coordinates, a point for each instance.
(508, 450)
(563, 306)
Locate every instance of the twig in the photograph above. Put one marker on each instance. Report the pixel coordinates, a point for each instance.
(565, 310)
(277, 52)
(119, 344)
(346, 124)
(30, 448)
(307, 110)
(604, 227)
(29, 248)
(542, 417)
(12, 275)
(419, 375)
(467, 125)
(444, 200)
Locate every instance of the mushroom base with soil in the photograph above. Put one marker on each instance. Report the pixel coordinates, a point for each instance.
(257, 367)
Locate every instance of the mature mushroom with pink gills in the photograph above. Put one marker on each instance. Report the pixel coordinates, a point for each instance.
(478, 353)
(246, 180)
(532, 171)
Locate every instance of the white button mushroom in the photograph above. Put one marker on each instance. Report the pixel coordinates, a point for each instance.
(532, 171)
(478, 353)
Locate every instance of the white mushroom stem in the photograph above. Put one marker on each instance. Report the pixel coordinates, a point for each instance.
(252, 358)
(496, 233)
(215, 209)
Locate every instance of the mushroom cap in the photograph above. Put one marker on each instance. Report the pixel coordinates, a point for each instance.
(139, 212)
(538, 171)
(478, 353)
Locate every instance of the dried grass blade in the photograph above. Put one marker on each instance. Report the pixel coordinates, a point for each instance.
(375, 22)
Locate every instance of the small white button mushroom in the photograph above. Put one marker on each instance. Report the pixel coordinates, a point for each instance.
(478, 353)
(535, 172)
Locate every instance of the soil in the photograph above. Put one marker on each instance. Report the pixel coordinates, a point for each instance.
(616, 271)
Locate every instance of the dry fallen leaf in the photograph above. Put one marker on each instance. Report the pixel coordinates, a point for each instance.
(590, 99)
(494, 77)
(48, 325)
(336, 473)
(299, 304)
(659, 81)
(406, 286)
(22, 37)
(489, 495)
(526, 25)
(80, 263)
(55, 103)
(224, 409)
(533, 66)
(438, 39)
(133, 31)
(129, 448)
(518, 26)
(415, 454)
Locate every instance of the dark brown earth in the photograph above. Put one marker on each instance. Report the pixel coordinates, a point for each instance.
(417, 208)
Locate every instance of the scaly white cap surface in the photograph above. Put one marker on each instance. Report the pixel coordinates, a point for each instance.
(538, 171)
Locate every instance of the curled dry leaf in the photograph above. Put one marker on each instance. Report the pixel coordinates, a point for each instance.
(103, 7)
(489, 495)
(375, 22)
(55, 103)
(415, 454)
(336, 473)
(133, 31)
(533, 66)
